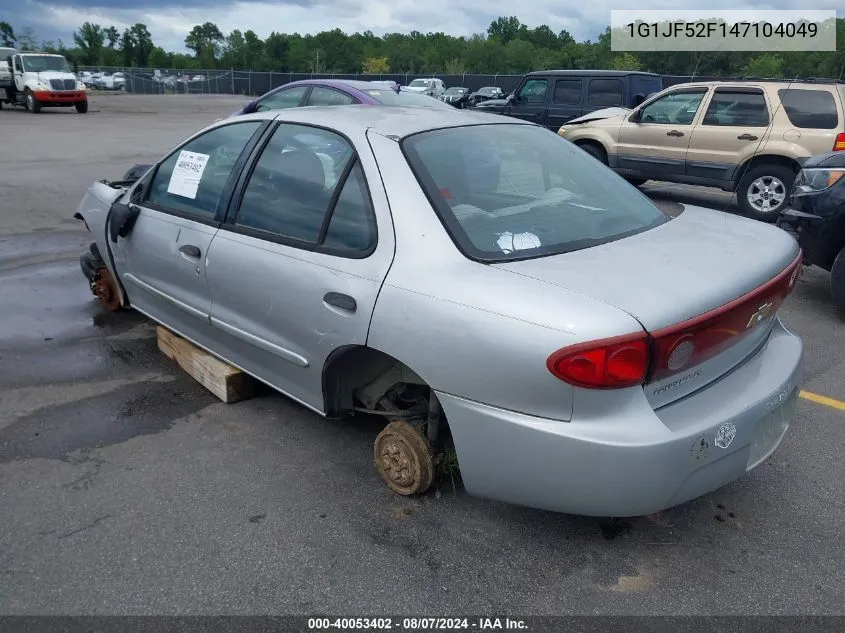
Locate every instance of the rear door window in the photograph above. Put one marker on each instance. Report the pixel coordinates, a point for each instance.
(605, 93)
(329, 97)
(736, 108)
(567, 92)
(809, 109)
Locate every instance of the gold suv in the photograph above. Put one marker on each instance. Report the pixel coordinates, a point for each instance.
(746, 136)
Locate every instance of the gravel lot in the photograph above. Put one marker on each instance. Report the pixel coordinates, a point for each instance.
(125, 488)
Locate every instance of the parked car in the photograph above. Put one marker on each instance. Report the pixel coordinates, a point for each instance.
(469, 280)
(430, 86)
(322, 92)
(486, 93)
(816, 217)
(554, 97)
(749, 137)
(456, 97)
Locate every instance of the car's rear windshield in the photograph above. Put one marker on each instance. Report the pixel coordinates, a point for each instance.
(420, 82)
(513, 191)
(388, 96)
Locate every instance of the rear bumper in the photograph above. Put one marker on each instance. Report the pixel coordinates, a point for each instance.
(636, 461)
(60, 98)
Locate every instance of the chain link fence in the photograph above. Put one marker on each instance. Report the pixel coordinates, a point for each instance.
(249, 83)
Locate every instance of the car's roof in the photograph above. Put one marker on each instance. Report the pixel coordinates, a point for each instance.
(337, 83)
(398, 121)
(593, 73)
(762, 83)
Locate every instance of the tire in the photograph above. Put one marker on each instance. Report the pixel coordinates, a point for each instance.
(837, 281)
(761, 187)
(82, 107)
(595, 151)
(636, 181)
(32, 104)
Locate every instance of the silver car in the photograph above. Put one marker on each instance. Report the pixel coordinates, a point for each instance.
(480, 283)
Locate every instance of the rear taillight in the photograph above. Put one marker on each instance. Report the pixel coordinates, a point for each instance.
(692, 342)
(839, 143)
(633, 359)
(612, 363)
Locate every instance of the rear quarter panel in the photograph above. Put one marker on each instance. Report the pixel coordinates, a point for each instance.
(470, 329)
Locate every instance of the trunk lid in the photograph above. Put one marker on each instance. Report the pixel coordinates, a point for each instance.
(704, 269)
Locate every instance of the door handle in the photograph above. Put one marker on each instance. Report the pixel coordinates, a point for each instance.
(747, 137)
(190, 250)
(338, 300)
(674, 133)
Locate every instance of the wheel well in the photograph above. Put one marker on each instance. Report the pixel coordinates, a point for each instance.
(358, 372)
(764, 159)
(592, 142)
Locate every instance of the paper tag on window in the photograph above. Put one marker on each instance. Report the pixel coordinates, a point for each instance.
(510, 242)
(186, 176)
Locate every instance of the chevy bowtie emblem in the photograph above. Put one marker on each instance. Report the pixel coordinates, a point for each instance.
(763, 313)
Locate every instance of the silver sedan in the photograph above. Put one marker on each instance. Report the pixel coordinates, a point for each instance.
(495, 294)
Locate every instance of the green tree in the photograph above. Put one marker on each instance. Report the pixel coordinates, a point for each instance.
(504, 29)
(765, 65)
(111, 36)
(205, 40)
(7, 34)
(625, 61)
(376, 66)
(26, 40)
(89, 39)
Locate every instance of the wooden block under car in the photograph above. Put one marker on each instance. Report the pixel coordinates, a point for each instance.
(224, 381)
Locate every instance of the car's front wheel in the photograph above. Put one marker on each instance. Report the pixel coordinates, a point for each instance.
(595, 151)
(764, 191)
(837, 281)
(31, 102)
(82, 107)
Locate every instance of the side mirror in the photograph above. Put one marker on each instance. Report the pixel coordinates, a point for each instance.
(250, 107)
(636, 116)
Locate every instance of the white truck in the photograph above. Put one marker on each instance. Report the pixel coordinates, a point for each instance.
(40, 80)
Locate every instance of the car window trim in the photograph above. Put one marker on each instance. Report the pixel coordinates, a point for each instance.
(219, 213)
(228, 223)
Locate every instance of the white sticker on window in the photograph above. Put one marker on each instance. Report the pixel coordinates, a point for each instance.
(186, 176)
(510, 242)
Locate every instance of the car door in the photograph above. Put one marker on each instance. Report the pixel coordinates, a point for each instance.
(654, 144)
(296, 268)
(325, 96)
(282, 99)
(735, 124)
(162, 260)
(530, 102)
(565, 104)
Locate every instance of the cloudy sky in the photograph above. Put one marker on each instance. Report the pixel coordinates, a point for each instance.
(170, 20)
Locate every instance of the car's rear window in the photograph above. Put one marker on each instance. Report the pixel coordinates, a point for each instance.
(814, 109)
(512, 191)
(388, 96)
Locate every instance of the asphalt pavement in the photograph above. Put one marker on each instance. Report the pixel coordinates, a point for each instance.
(126, 488)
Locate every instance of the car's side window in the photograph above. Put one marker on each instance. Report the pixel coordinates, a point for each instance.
(329, 97)
(192, 179)
(567, 92)
(809, 109)
(737, 108)
(534, 91)
(676, 108)
(352, 227)
(604, 93)
(293, 184)
(284, 98)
